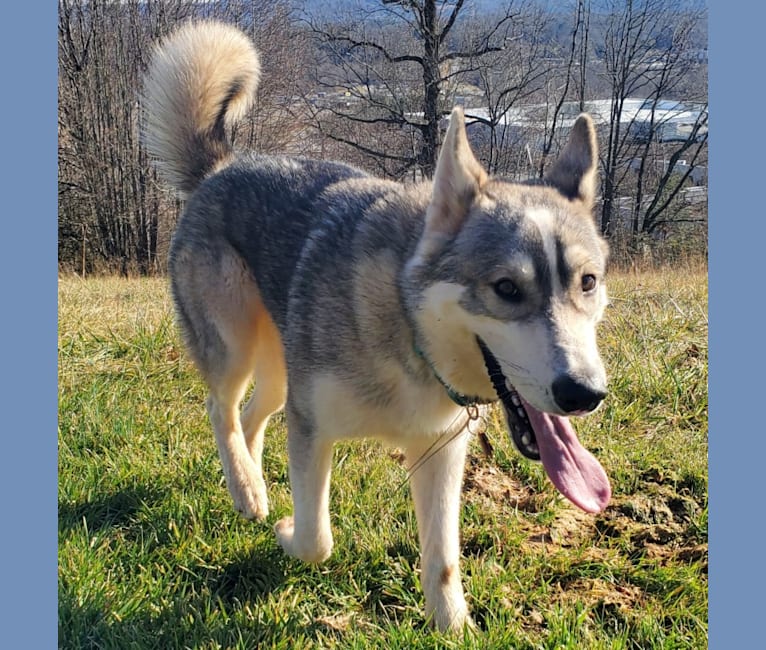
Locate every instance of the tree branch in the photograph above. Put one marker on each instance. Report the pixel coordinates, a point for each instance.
(451, 21)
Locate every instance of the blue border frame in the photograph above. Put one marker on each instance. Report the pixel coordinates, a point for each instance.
(737, 442)
(28, 326)
(29, 270)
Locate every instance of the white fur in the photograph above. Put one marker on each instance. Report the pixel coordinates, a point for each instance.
(416, 411)
(528, 344)
(451, 346)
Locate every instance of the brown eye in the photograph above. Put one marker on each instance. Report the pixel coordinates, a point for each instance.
(588, 283)
(507, 290)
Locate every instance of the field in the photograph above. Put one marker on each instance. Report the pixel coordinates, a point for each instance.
(152, 555)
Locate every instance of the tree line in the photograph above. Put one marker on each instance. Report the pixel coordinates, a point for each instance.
(372, 84)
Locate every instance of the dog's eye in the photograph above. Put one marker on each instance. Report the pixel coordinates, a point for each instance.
(588, 282)
(507, 290)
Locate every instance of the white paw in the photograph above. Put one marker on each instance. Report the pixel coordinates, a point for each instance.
(309, 550)
(448, 611)
(452, 621)
(249, 495)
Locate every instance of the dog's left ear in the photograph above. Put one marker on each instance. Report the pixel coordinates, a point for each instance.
(457, 180)
(574, 172)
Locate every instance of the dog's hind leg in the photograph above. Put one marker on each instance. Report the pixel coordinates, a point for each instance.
(220, 312)
(436, 486)
(270, 387)
(244, 476)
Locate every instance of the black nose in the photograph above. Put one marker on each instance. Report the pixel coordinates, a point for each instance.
(573, 396)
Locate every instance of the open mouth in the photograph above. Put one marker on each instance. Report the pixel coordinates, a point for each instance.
(522, 433)
(549, 438)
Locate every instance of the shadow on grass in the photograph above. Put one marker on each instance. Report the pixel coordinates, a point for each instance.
(250, 578)
(112, 510)
(247, 598)
(226, 606)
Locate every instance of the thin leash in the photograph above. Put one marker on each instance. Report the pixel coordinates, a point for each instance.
(469, 403)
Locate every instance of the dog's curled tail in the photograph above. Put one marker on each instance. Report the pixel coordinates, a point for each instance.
(201, 79)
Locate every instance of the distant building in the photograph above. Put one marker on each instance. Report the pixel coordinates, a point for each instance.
(668, 120)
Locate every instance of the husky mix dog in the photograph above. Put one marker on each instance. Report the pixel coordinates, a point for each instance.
(365, 307)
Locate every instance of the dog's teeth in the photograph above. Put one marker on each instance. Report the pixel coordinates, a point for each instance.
(515, 399)
(526, 439)
(521, 413)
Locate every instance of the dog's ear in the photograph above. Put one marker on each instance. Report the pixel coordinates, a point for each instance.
(574, 173)
(457, 180)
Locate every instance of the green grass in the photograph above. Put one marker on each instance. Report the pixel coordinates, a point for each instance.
(152, 555)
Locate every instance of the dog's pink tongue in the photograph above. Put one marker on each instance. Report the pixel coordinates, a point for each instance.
(572, 468)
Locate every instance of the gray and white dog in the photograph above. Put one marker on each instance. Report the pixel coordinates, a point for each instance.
(366, 307)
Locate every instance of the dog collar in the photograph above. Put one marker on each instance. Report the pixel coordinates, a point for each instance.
(459, 398)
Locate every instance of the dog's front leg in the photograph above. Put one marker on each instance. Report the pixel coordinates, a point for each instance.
(436, 485)
(307, 534)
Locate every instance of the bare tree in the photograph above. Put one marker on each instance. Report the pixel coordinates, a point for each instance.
(375, 84)
(653, 211)
(507, 79)
(574, 62)
(641, 60)
(106, 190)
(392, 64)
(113, 211)
(671, 64)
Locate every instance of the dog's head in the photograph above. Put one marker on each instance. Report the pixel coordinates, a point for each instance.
(507, 285)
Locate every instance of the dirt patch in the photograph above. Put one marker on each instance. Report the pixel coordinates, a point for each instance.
(571, 526)
(658, 522)
(600, 593)
(488, 481)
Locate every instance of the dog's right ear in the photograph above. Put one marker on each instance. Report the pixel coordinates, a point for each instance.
(457, 180)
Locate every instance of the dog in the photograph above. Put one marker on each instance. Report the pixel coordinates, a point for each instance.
(367, 307)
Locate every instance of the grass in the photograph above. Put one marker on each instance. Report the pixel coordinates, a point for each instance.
(152, 555)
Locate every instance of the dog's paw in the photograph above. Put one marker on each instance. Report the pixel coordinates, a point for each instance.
(450, 614)
(250, 500)
(454, 623)
(311, 550)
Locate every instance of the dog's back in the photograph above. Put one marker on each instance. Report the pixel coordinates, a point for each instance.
(264, 208)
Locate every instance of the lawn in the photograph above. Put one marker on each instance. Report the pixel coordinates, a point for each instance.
(152, 554)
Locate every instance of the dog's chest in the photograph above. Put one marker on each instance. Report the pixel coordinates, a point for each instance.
(408, 409)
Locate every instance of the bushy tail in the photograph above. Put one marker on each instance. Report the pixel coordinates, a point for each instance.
(201, 79)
